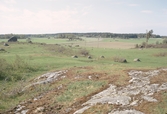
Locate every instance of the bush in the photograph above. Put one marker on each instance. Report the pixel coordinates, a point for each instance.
(136, 46)
(84, 52)
(16, 70)
(157, 43)
(161, 46)
(165, 41)
(3, 69)
(161, 54)
(144, 44)
(119, 59)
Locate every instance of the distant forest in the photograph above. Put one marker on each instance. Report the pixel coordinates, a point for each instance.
(78, 35)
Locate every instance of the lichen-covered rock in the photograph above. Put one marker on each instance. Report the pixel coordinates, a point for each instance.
(139, 90)
(102, 56)
(1, 49)
(89, 57)
(136, 60)
(5, 44)
(13, 39)
(75, 56)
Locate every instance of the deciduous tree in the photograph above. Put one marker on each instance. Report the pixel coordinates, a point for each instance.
(148, 35)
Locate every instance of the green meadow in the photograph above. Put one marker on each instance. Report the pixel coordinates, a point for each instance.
(42, 55)
(22, 61)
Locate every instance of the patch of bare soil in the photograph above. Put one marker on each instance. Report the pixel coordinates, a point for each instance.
(135, 97)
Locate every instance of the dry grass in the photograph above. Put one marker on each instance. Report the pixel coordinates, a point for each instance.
(74, 91)
(156, 107)
(83, 52)
(119, 59)
(160, 54)
(114, 45)
(99, 109)
(160, 79)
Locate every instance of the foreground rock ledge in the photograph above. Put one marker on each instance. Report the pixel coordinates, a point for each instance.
(139, 87)
(137, 92)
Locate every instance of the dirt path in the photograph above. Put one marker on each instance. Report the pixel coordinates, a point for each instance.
(140, 89)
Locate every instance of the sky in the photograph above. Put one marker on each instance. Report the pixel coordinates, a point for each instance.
(81, 16)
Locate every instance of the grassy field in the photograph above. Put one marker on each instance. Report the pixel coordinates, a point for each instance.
(27, 61)
(52, 40)
(134, 40)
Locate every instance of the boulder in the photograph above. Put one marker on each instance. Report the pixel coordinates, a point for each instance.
(141, 47)
(75, 56)
(102, 56)
(30, 42)
(39, 110)
(119, 59)
(1, 49)
(123, 61)
(5, 44)
(76, 45)
(89, 57)
(13, 39)
(136, 60)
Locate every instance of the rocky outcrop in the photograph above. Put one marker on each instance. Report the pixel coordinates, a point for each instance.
(139, 87)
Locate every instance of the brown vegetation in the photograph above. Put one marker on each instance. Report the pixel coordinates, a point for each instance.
(160, 54)
(119, 59)
(47, 100)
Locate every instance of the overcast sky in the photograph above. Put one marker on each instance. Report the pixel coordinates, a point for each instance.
(54, 16)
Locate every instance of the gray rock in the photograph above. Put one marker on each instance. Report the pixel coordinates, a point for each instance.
(46, 78)
(1, 49)
(39, 109)
(89, 57)
(126, 112)
(76, 45)
(102, 56)
(5, 44)
(75, 56)
(124, 61)
(136, 60)
(13, 39)
(139, 87)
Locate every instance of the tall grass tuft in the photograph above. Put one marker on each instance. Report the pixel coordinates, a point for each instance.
(15, 70)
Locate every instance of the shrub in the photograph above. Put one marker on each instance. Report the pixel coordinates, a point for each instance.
(144, 44)
(84, 52)
(161, 46)
(161, 54)
(3, 69)
(165, 41)
(119, 59)
(157, 43)
(136, 46)
(16, 70)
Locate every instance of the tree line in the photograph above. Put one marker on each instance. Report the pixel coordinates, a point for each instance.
(77, 35)
(106, 35)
